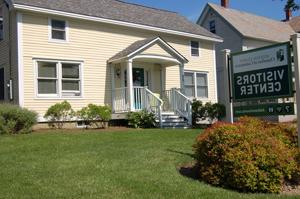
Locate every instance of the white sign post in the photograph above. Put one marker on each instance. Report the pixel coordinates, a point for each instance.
(227, 93)
(296, 50)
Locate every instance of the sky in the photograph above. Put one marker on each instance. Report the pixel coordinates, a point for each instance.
(193, 8)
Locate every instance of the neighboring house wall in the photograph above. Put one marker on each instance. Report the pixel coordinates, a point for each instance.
(94, 43)
(232, 40)
(8, 52)
(249, 44)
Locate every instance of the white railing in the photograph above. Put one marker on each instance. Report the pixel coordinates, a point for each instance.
(182, 105)
(139, 98)
(119, 101)
(154, 104)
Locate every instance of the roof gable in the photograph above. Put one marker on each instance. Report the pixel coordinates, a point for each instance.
(142, 46)
(250, 25)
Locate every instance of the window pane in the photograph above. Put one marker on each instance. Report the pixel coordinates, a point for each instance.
(195, 52)
(195, 44)
(202, 92)
(189, 91)
(188, 79)
(47, 69)
(212, 26)
(57, 34)
(57, 24)
(46, 86)
(68, 85)
(201, 79)
(70, 71)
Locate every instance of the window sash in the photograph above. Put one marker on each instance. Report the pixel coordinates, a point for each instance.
(60, 92)
(58, 31)
(195, 48)
(212, 26)
(194, 86)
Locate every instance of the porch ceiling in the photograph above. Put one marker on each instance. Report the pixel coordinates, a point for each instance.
(135, 52)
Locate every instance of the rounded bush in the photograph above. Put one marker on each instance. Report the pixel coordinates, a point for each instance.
(14, 119)
(249, 156)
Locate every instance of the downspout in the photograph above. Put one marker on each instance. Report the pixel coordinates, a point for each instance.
(9, 84)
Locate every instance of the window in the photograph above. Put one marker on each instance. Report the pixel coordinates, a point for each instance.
(212, 26)
(1, 24)
(58, 79)
(70, 79)
(58, 30)
(195, 48)
(195, 84)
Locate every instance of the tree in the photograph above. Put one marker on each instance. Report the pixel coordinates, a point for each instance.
(291, 5)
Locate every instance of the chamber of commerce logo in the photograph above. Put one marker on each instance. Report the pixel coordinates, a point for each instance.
(280, 55)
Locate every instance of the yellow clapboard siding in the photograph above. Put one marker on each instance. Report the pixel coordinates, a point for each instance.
(95, 43)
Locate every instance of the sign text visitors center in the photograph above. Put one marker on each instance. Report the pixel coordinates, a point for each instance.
(262, 73)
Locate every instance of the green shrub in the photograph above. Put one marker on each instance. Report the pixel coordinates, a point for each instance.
(95, 115)
(249, 156)
(15, 120)
(208, 111)
(58, 114)
(142, 119)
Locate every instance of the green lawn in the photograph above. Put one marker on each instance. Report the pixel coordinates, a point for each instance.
(124, 164)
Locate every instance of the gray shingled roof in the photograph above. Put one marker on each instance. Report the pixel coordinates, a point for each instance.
(130, 49)
(295, 23)
(137, 45)
(122, 11)
(253, 26)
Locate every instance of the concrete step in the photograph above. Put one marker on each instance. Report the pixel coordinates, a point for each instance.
(172, 120)
(167, 113)
(176, 127)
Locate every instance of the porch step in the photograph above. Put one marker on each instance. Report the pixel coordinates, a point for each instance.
(170, 120)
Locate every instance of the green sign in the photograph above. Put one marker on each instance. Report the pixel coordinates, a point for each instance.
(264, 110)
(262, 73)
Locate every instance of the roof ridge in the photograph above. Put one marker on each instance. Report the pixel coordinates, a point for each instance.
(241, 11)
(136, 4)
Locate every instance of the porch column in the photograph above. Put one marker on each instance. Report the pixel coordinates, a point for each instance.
(130, 97)
(181, 74)
(112, 69)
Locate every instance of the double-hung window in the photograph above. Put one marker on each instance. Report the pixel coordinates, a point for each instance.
(195, 84)
(1, 24)
(58, 79)
(195, 48)
(58, 30)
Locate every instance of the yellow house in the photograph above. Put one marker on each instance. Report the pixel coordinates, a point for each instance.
(128, 56)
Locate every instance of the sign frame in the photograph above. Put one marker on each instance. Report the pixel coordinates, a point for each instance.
(290, 78)
(256, 113)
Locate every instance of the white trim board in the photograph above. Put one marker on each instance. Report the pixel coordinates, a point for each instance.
(20, 59)
(115, 22)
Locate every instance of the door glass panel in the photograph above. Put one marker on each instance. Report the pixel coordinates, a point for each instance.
(138, 76)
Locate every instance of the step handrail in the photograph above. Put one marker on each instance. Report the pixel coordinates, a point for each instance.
(157, 112)
(182, 105)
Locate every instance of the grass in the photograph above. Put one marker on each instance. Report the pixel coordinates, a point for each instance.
(127, 164)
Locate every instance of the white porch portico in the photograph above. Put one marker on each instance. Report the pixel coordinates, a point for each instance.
(139, 80)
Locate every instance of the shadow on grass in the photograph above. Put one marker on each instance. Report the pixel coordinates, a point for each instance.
(182, 153)
(189, 170)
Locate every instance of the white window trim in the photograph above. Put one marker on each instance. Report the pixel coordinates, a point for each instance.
(199, 48)
(50, 31)
(195, 83)
(59, 94)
